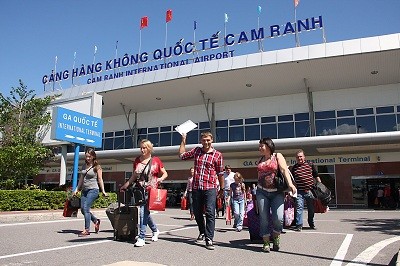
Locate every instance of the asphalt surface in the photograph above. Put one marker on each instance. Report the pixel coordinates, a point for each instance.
(343, 237)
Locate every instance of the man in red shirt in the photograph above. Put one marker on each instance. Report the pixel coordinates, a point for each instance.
(305, 175)
(208, 164)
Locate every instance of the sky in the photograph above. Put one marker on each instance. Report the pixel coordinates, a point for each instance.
(35, 33)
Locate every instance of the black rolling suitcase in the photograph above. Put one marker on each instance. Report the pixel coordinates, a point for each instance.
(124, 219)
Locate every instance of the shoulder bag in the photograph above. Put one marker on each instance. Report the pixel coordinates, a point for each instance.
(280, 180)
(139, 193)
(75, 201)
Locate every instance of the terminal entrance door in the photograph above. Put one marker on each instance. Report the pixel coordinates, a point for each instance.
(376, 192)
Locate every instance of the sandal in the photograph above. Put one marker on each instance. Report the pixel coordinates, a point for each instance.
(84, 233)
(97, 226)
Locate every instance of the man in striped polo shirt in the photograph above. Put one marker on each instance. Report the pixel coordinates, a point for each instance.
(305, 174)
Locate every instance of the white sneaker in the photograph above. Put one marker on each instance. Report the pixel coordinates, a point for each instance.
(155, 236)
(140, 242)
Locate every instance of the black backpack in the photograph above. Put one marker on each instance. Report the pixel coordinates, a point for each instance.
(321, 192)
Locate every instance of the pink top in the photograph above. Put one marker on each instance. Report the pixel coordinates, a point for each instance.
(267, 172)
(155, 170)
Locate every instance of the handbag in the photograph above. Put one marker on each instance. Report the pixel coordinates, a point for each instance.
(321, 192)
(288, 213)
(157, 199)
(319, 207)
(280, 181)
(139, 193)
(228, 215)
(69, 211)
(184, 205)
(74, 202)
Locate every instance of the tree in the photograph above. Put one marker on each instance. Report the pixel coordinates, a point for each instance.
(22, 117)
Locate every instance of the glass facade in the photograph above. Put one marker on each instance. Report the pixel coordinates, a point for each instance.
(331, 122)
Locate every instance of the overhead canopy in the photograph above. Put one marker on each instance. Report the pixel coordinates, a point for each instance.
(348, 64)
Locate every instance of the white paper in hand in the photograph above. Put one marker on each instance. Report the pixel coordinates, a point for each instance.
(186, 127)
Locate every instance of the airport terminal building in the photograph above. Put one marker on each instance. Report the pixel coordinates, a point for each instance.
(339, 102)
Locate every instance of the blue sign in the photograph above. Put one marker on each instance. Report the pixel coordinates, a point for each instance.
(76, 127)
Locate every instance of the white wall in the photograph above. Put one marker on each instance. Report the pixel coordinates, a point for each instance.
(286, 104)
(357, 97)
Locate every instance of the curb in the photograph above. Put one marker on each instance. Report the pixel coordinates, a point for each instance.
(398, 259)
(36, 216)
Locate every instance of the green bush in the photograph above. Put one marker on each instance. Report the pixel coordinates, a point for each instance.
(23, 200)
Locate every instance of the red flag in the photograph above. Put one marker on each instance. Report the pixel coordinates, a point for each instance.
(168, 16)
(296, 3)
(144, 22)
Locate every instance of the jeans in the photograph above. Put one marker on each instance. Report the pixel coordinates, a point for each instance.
(205, 198)
(309, 198)
(145, 219)
(238, 212)
(190, 198)
(88, 196)
(270, 202)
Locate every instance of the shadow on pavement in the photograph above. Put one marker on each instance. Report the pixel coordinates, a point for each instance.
(386, 226)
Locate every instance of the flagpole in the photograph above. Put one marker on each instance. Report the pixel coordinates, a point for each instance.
(73, 67)
(94, 57)
(116, 53)
(295, 27)
(260, 42)
(166, 36)
(140, 40)
(225, 21)
(55, 71)
(323, 35)
(194, 38)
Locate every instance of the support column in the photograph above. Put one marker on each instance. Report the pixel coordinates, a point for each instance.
(63, 165)
(310, 109)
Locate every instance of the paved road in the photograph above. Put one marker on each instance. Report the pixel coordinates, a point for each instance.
(351, 237)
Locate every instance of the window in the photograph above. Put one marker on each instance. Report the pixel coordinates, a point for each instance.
(385, 123)
(269, 130)
(119, 133)
(301, 116)
(365, 124)
(268, 119)
(109, 134)
(343, 113)
(236, 133)
(285, 130)
(325, 127)
(108, 144)
(165, 129)
(346, 126)
(222, 134)
(155, 139)
(236, 122)
(222, 123)
(192, 137)
(324, 114)
(176, 138)
(152, 130)
(204, 125)
(302, 129)
(252, 132)
(285, 118)
(119, 143)
(385, 110)
(165, 139)
(250, 121)
(365, 111)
